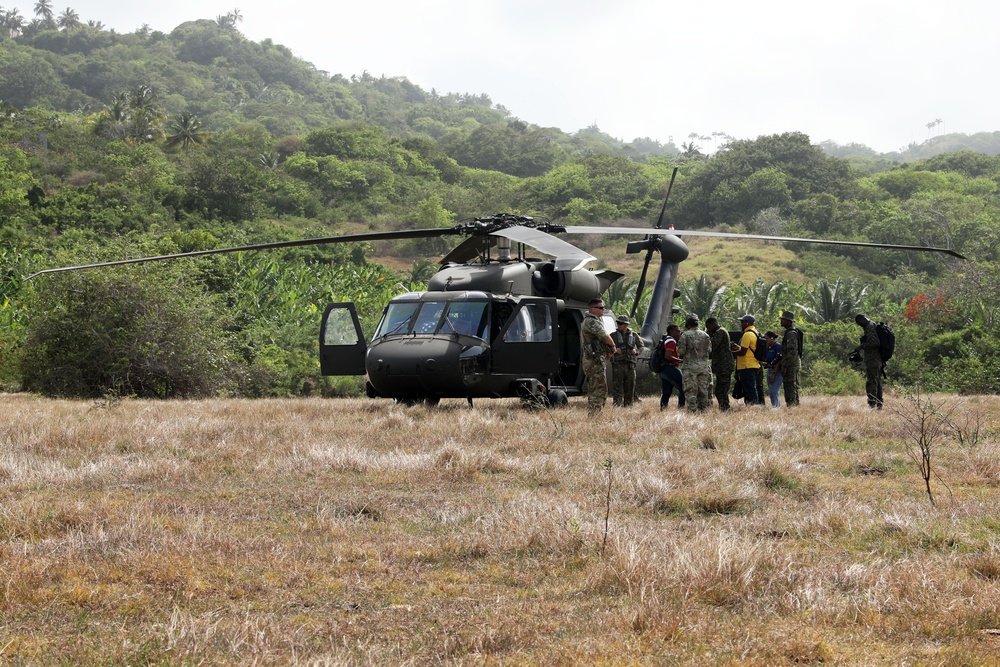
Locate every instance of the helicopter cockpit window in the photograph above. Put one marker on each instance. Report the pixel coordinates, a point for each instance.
(397, 319)
(467, 318)
(340, 329)
(429, 317)
(532, 324)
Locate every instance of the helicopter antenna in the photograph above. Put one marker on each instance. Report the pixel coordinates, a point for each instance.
(652, 245)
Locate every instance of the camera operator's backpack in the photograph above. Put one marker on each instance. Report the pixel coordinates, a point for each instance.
(886, 340)
(760, 352)
(657, 358)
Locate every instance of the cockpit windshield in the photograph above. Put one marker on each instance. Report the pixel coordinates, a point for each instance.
(467, 318)
(397, 319)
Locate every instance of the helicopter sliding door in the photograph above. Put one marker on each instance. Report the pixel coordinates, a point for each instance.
(341, 344)
(527, 344)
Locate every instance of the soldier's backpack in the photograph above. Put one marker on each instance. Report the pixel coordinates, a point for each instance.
(886, 340)
(657, 358)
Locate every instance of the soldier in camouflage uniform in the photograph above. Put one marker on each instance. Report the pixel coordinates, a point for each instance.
(869, 349)
(627, 346)
(695, 347)
(723, 363)
(597, 348)
(791, 359)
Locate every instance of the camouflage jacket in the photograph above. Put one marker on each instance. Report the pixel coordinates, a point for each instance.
(790, 350)
(722, 352)
(593, 337)
(694, 347)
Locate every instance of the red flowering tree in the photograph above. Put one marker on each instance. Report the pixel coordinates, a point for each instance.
(930, 308)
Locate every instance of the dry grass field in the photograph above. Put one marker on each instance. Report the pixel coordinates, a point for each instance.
(353, 532)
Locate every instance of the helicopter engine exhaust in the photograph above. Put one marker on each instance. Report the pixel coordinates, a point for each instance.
(568, 285)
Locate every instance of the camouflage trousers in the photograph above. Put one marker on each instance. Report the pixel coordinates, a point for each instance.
(723, 385)
(697, 387)
(597, 383)
(873, 385)
(791, 385)
(623, 383)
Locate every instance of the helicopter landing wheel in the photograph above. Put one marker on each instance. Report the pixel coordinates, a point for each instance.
(557, 398)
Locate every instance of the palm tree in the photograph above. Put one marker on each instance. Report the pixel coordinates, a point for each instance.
(268, 160)
(762, 300)
(702, 297)
(113, 120)
(146, 115)
(68, 19)
(229, 21)
(620, 295)
(12, 22)
(132, 115)
(690, 149)
(185, 130)
(421, 271)
(832, 302)
(43, 10)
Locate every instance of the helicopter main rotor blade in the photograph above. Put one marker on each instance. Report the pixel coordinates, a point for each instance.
(347, 238)
(468, 250)
(567, 256)
(756, 237)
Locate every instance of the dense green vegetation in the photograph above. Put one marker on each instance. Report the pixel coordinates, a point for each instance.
(115, 145)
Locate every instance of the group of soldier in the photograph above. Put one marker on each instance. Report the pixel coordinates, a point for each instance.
(696, 361)
(700, 363)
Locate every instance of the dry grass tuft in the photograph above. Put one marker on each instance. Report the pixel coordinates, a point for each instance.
(352, 532)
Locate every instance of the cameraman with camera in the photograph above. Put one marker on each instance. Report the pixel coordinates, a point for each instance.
(869, 351)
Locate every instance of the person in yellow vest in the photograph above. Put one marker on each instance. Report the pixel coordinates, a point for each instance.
(747, 366)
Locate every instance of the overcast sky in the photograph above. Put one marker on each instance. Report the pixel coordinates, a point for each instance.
(869, 71)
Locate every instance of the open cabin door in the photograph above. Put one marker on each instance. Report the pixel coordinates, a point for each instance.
(528, 344)
(341, 344)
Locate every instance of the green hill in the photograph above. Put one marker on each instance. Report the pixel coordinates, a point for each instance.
(145, 143)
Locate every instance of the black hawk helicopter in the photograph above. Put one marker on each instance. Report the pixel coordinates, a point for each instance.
(494, 322)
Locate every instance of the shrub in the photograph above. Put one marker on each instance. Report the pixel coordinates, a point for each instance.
(147, 333)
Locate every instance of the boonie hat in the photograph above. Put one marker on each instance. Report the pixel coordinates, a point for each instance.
(622, 319)
(788, 315)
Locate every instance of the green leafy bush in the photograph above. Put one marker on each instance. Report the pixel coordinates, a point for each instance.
(147, 333)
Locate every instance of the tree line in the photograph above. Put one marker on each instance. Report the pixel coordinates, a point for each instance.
(117, 145)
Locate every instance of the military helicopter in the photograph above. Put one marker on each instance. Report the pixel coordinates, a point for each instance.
(494, 321)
